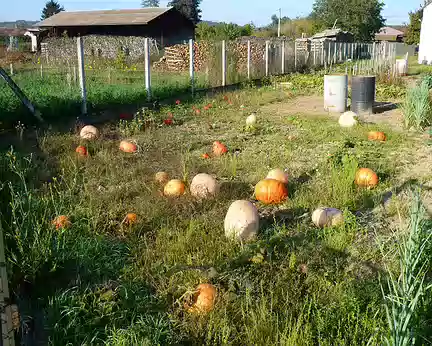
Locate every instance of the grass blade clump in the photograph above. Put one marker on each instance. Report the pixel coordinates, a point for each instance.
(404, 295)
(416, 107)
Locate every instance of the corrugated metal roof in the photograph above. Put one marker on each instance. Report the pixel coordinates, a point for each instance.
(107, 17)
(387, 30)
(329, 33)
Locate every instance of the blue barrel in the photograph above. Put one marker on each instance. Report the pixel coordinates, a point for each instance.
(362, 94)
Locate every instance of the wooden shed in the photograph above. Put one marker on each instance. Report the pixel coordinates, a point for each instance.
(166, 25)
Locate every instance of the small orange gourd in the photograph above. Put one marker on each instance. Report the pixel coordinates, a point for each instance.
(128, 147)
(130, 219)
(377, 136)
(271, 191)
(174, 188)
(81, 150)
(365, 177)
(61, 221)
(204, 299)
(219, 148)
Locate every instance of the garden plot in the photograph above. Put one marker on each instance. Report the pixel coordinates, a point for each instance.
(133, 263)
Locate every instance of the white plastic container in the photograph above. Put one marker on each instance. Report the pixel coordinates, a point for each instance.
(335, 93)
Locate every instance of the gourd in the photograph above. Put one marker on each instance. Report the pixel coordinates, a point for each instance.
(365, 177)
(327, 217)
(128, 147)
(204, 299)
(251, 120)
(377, 136)
(174, 188)
(89, 132)
(81, 150)
(348, 119)
(61, 222)
(279, 175)
(203, 186)
(219, 149)
(130, 219)
(241, 221)
(271, 191)
(162, 177)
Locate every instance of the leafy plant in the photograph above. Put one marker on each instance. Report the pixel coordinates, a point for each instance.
(416, 107)
(404, 295)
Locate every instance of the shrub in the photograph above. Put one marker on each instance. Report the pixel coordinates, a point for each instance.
(416, 107)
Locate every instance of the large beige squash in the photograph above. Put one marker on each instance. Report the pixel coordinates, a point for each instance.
(278, 174)
(251, 120)
(242, 221)
(204, 186)
(89, 132)
(327, 217)
(348, 119)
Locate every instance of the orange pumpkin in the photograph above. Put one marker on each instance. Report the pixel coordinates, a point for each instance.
(130, 219)
(204, 299)
(81, 150)
(219, 148)
(128, 147)
(377, 136)
(365, 177)
(61, 221)
(271, 191)
(174, 188)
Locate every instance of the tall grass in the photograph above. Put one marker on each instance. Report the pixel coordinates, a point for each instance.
(405, 294)
(417, 108)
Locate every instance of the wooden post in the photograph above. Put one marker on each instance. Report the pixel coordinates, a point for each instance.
(248, 59)
(41, 70)
(11, 69)
(314, 52)
(267, 58)
(224, 74)
(191, 66)
(147, 72)
(322, 53)
(80, 49)
(283, 57)
(340, 52)
(295, 56)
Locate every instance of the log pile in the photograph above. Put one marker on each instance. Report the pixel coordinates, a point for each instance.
(176, 58)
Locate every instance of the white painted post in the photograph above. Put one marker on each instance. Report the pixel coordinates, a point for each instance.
(223, 63)
(81, 71)
(191, 66)
(283, 57)
(249, 59)
(322, 53)
(267, 58)
(41, 70)
(11, 69)
(147, 68)
(340, 52)
(314, 52)
(295, 56)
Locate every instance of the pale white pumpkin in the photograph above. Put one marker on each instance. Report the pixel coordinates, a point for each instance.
(251, 120)
(204, 185)
(278, 174)
(327, 217)
(241, 221)
(348, 119)
(89, 132)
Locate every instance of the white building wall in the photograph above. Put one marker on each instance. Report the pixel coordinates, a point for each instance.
(425, 49)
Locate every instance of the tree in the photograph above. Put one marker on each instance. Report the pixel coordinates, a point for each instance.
(189, 8)
(51, 8)
(150, 3)
(414, 27)
(363, 18)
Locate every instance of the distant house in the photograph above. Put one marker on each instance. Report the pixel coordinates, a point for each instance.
(166, 25)
(337, 35)
(390, 34)
(425, 49)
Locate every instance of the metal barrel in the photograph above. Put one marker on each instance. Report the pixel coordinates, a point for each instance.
(335, 93)
(362, 94)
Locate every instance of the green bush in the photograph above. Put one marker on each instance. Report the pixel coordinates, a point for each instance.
(416, 107)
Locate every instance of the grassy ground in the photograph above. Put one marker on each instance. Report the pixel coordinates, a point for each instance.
(101, 283)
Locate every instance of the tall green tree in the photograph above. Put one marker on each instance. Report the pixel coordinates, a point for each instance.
(150, 3)
(363, 18)
(189, 8)
(51, 8)
(414, 27)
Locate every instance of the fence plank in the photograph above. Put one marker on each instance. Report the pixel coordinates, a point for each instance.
(191, 65)
(267, 58)
(283, 57)
(249, 59)
(147, 72)
(223, 63)
(80, 50)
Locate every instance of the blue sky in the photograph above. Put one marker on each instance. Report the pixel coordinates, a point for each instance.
(237, 11)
